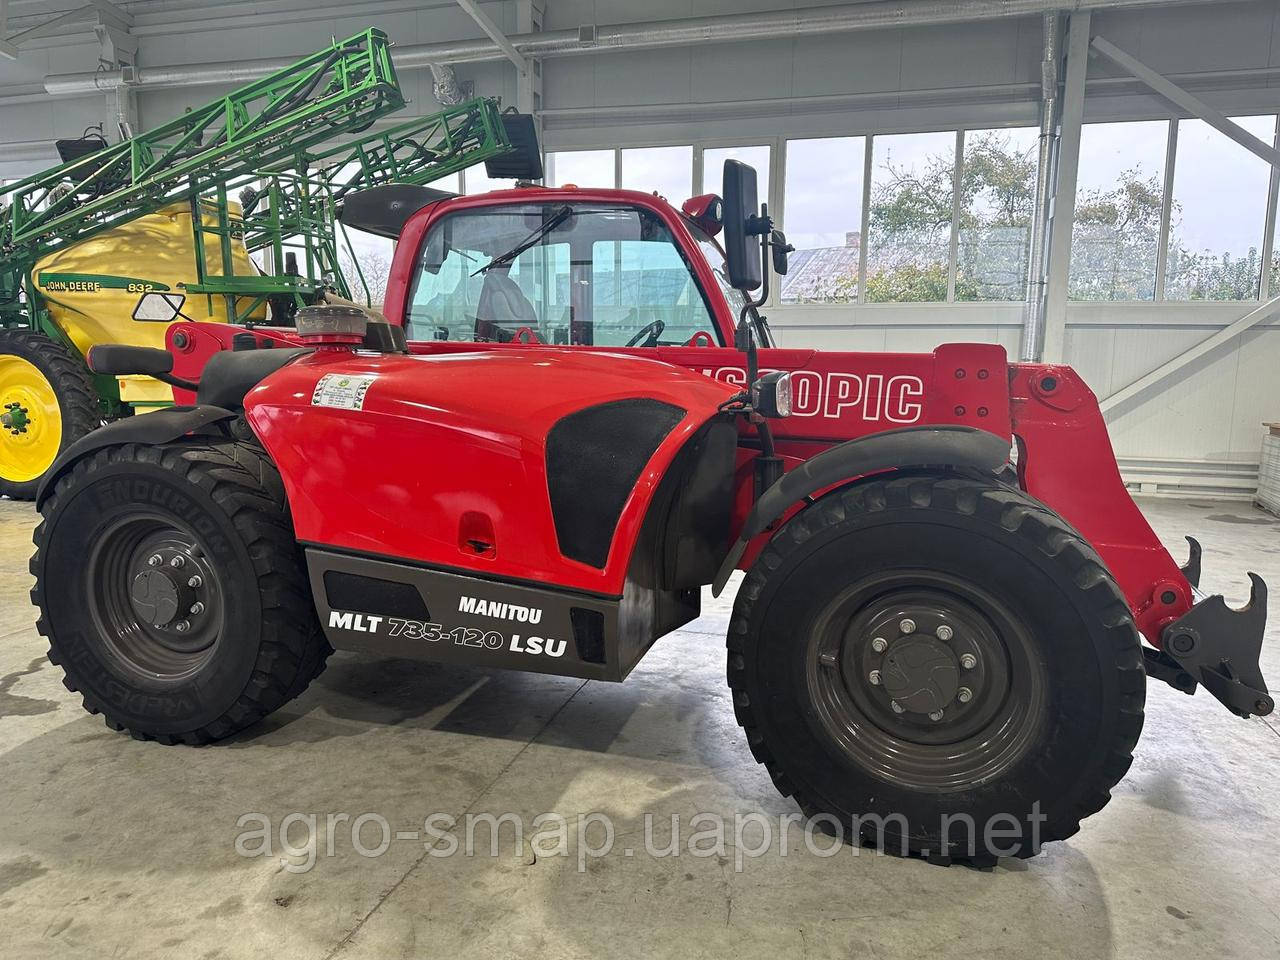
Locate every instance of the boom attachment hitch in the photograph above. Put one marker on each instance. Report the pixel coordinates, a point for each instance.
(1214, 645)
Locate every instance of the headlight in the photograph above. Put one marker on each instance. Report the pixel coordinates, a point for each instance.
(771, 395)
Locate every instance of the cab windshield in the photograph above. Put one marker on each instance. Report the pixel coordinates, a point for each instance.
(573, 274)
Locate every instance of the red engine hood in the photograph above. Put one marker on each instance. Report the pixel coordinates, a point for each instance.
(395, 455)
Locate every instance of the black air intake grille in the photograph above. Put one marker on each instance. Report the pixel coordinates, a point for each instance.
(588, 634)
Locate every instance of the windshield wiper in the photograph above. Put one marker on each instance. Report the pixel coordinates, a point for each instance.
(557, 218)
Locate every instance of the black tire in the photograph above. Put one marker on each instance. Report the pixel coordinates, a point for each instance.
(1051, 664)
(251, 640)
(79, 410)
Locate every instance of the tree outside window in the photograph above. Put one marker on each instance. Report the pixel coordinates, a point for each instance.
(997, 201)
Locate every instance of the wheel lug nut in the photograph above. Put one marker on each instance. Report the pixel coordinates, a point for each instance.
(964, 694)
(874, 677)
(968, 661)
(907, 625)
(197, 608)
(195, 581)
(153, 560)
(879, 644)
(944, 632)
(897, 707)
(179, 561)
(182, 626)
(935, 716)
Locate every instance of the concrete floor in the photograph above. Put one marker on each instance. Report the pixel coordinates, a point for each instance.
(113, 848)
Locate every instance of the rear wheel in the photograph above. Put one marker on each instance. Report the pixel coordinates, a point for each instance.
(172, 591)
(47, 402)
(941, 665)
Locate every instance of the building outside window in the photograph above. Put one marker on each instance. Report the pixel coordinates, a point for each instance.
(908, 247)
(823, 213)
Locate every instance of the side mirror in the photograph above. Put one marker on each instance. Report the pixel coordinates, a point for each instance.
(741, 211)
(779, 247)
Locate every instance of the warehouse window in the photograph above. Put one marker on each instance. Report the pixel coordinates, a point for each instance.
(908, 248)
(823, 203)
(997, 194)
(1218, 216)
(1119, 198)
(451, 183)
(713, 159)
(668, 171)
(586, 168)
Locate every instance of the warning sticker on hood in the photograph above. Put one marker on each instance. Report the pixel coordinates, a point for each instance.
(341, 390)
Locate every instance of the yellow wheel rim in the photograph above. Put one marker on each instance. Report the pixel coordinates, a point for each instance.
(30, 421)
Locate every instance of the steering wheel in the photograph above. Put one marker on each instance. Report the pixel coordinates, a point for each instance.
(649, 332)
(525, 335)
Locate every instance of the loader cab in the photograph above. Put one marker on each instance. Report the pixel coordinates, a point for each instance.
(565, 267)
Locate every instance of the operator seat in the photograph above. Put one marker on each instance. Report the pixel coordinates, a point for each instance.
(502, 308)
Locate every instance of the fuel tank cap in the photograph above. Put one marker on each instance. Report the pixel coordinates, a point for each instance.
(327, 323)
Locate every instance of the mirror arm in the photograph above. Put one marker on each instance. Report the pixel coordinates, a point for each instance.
(768, 466)
(761, 226)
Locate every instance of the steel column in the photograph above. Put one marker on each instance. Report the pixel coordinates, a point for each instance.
(1050, 339)
(1033, 316)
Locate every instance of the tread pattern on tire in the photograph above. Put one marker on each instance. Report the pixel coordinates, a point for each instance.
(242, 481)
(1018, 514)
(67, 374)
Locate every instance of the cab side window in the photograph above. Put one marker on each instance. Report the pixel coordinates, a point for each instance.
(643, 293)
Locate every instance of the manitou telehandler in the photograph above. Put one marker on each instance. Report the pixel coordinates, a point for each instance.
(574, 420)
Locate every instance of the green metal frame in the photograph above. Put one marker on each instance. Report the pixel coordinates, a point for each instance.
(340, 89)
(272, 136)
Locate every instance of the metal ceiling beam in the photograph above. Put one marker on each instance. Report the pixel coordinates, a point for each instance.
(592, 39)
(494, 33)
(97, 11)
(1187, 101)
(7, 49)
(1125, 395)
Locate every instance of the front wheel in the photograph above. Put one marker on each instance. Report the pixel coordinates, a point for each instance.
(940, 665)
(172, 591)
